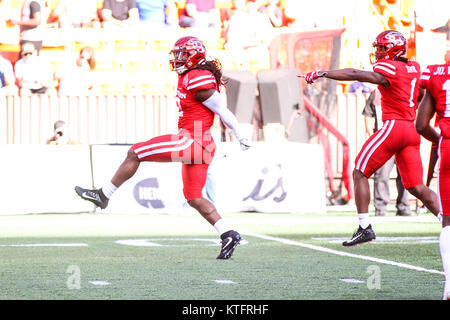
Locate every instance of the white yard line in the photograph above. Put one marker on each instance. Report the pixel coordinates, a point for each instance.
(341, 253)
(46, 245)
(100, 283)
(224, 281)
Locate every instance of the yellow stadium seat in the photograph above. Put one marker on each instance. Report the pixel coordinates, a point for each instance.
(156, 82)
(113, 89)
(131, 45)
(104, 60)
(109, 82)
(56, 57)
(142, 64)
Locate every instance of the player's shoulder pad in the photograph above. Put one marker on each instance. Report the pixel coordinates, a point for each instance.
(428, 72)
(426, 75)
(194, 73)
(428, 69)
(386, 67)
(198, 78)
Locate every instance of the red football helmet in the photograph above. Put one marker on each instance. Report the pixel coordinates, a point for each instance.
(187, 53)
(389, 44)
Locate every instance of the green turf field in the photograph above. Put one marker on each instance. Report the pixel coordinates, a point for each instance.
(166, 257)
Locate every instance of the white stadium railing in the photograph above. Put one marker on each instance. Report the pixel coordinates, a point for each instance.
(91, 119)
(126, 119)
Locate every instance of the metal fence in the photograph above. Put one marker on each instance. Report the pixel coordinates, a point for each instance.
(91, 119)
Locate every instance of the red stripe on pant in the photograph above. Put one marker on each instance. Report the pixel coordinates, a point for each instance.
(178, 148)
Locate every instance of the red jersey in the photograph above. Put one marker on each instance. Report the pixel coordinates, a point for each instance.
(193, 115)
(436, 79)
(399, 101)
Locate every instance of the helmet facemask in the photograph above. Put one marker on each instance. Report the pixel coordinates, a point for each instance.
(178, 60)
(379, 52)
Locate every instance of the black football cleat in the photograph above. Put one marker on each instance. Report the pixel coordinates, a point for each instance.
(95, 196)
(230, 240)
(361, 236)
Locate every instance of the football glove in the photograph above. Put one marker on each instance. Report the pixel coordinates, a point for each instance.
(245, 144)
(310, 77)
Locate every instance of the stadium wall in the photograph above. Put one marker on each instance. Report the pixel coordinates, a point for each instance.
(270, 177)
(41, 178)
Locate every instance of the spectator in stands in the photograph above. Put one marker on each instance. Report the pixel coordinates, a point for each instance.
(248, 28)
(200, 14)
(74, 76)
(158, 12)
(32, 23)
(272, 8)
(357, 85)
(120, 13)
(381, 195)
(34, 74)
(76, 14)
(7, 77)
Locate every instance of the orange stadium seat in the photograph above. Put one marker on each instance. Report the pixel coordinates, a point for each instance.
(10, 51)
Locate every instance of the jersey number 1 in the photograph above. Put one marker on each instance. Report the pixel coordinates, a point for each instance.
(413, 86)
(180, 110)
(446, 88)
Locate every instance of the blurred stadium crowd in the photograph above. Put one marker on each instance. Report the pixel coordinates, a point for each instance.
(95, 46)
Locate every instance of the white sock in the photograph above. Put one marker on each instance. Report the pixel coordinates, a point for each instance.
(221, 226)
(108, 189)
(364, 220)
(444, 246)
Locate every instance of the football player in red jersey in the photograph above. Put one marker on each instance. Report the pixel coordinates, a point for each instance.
(198, 100)
(398, 83)
(436, 80)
